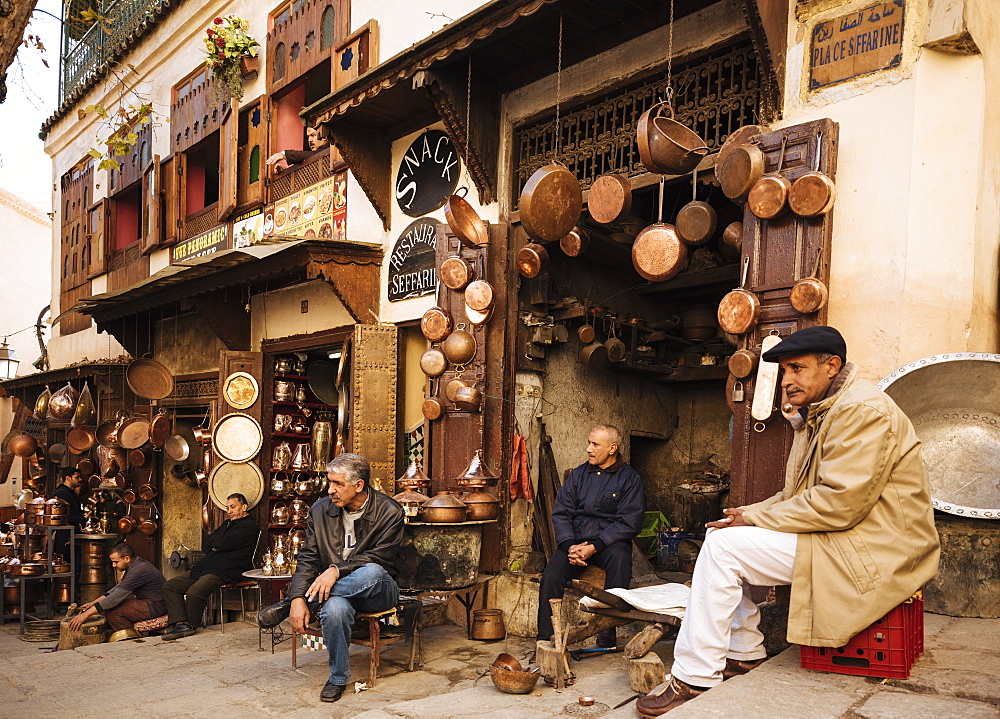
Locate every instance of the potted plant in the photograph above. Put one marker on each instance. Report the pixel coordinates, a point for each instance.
(226, 45)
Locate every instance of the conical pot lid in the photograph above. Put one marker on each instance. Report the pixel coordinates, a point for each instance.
(414, 473)
(410, 497)
(444, 499)
(478, 497)
(477, 473)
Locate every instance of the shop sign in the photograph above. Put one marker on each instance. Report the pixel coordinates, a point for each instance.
(317, 212)
(200, 245)
(248, 228)
(428, 174)
(412, 269)
(856, 44)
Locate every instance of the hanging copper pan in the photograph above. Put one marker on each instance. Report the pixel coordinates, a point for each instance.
(733, 235)
(105, 434)
(810, 294)
(460, 346)
(667, 147)
(177, 448)
(477, 318)
(86, 467)
(575, 242)
(80, 439)
(658, 252)
(742, 363)
(432, 407)
(452, 388)
(436, 324)
(739, 310)
(464, 221)
(594, 356)
(609, 199)
(768, 198)
(479, 295)
(550, 203)
(456, 272)
(149, 379)
(696, 221)
(139, 457)
(531, 260)
(740, 171)
(747, 134)
(133, 432)
(23, 445)
(159, 429)
(433, 363)
(814, 193)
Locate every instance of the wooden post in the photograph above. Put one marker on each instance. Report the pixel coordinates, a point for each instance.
(646, 672)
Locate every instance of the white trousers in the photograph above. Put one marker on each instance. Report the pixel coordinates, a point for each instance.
(721, 619)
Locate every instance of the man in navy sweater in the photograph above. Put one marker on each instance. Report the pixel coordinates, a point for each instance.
(598, 511)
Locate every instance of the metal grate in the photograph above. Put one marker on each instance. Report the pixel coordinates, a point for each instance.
(713, 97)
(196, 388)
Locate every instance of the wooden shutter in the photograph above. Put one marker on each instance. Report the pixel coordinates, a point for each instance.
(168, 192)
(97, 224)
(373, 412)
(781, 252)
(228, 136)
(152, 208)
(257, 136)
(177, 215)
(252, 363)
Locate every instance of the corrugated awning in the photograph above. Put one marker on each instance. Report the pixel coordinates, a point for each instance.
(306, 259)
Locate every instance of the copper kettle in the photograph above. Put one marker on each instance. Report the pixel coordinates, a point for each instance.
(280, 513)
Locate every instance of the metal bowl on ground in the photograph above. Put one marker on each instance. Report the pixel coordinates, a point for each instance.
(513, 682)
(124, 634)
(952, 400)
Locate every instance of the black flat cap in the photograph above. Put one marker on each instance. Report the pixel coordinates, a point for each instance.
(820, 339)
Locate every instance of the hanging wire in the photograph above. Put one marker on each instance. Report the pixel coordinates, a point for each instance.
(559, 60)
(670, 58)
(468, 109)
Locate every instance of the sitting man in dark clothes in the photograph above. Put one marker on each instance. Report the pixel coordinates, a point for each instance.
(67, 492)
(137, 597)
(347, 564)
(597, 513)
(228, 553)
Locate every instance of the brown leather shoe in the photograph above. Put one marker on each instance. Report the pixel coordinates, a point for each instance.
(737, 667)
(670, 697)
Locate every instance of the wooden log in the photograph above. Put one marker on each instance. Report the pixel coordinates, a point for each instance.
(552, 663)
(646, 672)
(635, 615)
(612, 600)
(642, 642)
(587, 629)
(92, 632)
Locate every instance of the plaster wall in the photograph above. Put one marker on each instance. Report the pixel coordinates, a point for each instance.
(181, 518)
(402, 24)
(278, 313)
(187, 345)
(914, 251)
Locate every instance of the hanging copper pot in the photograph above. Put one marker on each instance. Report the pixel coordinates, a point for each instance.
(768, 198)
(740, 171)
(468, 398)
(742, 363)
(477, 318)
(148, 526)
(436, 324)
(133, 432)
(456, 272)
(105, 434)
(594, 356)
(452, 388)
(433, 363)
(609, 199)
(432, 407)
(460, 346)
(697, 220)
(127, 524)
(739, 310)
(810, 294)
(550, 203)
(667, 147)
(531, 260)
(159, 429)
(814, 193)
(733, 235)
(658, 252)
(479, 295)
(23, 445)
(575, 242)
(80, 439)
(464, 221)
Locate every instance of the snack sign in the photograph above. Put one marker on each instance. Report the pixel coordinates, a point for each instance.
(317, 212)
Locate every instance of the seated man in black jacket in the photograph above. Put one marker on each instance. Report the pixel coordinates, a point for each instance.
(346, 565)
(228, 553)
(597, 514)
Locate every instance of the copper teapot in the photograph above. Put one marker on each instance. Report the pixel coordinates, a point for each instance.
(300, 511)
(281, 457)
(280, 513)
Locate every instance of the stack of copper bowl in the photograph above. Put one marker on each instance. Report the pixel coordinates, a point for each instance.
(477, 474)
(414, 480)
(509, 676)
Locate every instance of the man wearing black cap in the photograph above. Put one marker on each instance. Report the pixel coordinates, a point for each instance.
(852, 530)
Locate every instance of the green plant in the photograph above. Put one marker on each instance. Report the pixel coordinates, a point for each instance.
(226, 41)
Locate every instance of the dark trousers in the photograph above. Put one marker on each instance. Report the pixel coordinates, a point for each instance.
(615, 560)
(132, 610)
(186, 597)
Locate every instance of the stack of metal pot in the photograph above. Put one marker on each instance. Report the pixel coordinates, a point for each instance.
(477, 476)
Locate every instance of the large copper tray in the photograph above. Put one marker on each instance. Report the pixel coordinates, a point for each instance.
(953, 401)
(237, 437)
(235, 478)
(149, 379)
(240, 390)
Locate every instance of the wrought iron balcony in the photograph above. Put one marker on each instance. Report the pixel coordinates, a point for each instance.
(87, 55)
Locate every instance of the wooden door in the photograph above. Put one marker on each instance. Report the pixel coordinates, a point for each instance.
(97, 224)
(251, 363)
(780, 252)
(152, 208)
(372, 431)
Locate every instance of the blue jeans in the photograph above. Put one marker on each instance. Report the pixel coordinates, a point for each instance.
(367, 589)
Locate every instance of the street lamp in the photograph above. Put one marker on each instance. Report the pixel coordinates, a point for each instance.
(8, 361)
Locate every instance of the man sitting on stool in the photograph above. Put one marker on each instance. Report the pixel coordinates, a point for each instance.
(137, 597)
(228, 553)
(346, 565)
(597, 514)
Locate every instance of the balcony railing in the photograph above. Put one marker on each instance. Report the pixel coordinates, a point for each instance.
(124, 23)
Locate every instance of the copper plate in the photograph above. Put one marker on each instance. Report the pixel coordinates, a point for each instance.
(149, 379)
(231, 478)
(550, 203)
(237, 437)
(240, 390)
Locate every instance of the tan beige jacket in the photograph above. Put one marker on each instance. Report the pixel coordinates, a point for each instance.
(856, 493)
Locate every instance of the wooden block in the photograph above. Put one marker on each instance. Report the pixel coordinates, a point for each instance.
(646, 672)
(642, 642)
(548, 658)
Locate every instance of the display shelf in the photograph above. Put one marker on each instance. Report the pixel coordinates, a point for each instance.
(315, 405)
(278, 375)
(293, 435)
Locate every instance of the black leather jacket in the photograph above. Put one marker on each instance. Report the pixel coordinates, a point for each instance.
(379, 532)
(229, 550)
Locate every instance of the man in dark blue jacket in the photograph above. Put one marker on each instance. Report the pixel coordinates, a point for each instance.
(597, 513)
(229, 552)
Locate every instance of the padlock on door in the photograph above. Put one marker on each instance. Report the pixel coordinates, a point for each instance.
(738, 392)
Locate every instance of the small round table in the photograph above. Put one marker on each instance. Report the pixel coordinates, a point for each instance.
(278, 635)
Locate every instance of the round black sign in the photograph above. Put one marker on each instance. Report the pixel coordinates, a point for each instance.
(428, 174)
(412, 266)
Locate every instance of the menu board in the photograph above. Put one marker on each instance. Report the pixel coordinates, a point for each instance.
(248, 228)
(316, 212)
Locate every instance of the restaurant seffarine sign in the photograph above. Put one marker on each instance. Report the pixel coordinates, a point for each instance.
(857, 43)
(412, 269)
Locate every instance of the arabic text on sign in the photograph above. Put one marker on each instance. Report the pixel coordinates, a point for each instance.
(856, 44)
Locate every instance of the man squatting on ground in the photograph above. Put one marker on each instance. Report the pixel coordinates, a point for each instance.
(852, 530)
(346, 565)
(597, 514)
(137, 597)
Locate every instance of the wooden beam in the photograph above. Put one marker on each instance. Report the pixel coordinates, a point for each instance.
(369, 154)
(355, 284)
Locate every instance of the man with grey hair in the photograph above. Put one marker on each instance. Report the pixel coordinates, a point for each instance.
(597, 513)
(346, 565)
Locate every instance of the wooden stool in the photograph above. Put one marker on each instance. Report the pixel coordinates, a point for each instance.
(149, 626)
(375, 642)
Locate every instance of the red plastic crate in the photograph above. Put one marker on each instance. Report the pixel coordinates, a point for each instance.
(887, 649)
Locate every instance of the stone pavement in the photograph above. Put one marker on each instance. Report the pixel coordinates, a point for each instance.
(224, 675)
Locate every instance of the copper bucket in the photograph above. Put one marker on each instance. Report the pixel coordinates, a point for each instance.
(487, 625)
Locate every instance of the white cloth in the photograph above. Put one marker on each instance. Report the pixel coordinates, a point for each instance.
(667, 599)
(721, 617)
(348, 519)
